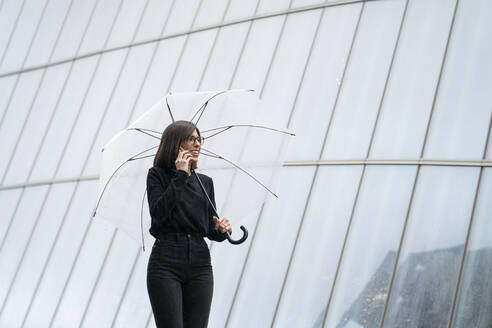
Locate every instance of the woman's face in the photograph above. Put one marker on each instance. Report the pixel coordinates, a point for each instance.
(193, 145)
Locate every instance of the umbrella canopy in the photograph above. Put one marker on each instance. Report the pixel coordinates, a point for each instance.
(242, 152)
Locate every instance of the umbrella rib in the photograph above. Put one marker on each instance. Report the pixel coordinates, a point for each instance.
(227, 127)
(202, 107)
(146, 131)
(112, 175)
(240, 168)
(169, 110)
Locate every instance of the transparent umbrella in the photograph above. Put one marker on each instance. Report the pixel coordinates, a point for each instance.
(242, 153)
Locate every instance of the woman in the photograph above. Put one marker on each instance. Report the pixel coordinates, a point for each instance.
(179, 273)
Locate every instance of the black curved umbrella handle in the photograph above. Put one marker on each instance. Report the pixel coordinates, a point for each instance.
(240, 240)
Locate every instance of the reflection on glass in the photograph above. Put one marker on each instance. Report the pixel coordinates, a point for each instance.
(474, 304)
(367, 265)
(427, 272)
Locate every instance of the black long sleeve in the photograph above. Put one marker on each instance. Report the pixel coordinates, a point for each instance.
(178, 204)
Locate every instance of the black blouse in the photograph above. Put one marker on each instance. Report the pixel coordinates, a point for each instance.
(178, 204)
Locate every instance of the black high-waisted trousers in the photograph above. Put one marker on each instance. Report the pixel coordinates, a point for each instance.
(180, 281)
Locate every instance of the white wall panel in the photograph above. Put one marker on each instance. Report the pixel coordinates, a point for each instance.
(37, 250)
(73, 31)
(154, 18)
(135, 307)
(120, 106)
(112, 281)
(321, 81)
(84, 273)
(37, 122)
(11, 10)
(182, 16)
(8, 202)
(224, 57)
(266, 267)
(413, 80)
(48, 31)
(91, 112)
(158, 78)
(463, 108)
(211, 12)
(16, 114)
(18, 236)
(101, 25)
(127, 23)
(22, 37)
(317, 251)
(364, 80)
(66, 112)
(48, 295)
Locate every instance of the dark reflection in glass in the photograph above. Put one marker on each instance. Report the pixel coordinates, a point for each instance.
(425, 297)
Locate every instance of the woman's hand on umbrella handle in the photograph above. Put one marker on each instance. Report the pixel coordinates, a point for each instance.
(182, 162)
(223, 225)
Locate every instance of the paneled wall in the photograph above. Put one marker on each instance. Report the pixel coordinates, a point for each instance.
(384, 215)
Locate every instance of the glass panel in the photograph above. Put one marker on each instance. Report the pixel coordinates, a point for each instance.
(47, 33)
(83, 277)
(404, 115)
(63, 253)
(73, 30)
(224, 57)
(155, 16)
(113, 279)
(93, 108)
(36, 124)
(474, 301)
(8, 202)
(241, 9)
(23, 35)
(285, 74)
(121, 103)
(193, 61)
(16, 114)
(462, 113)
(11, 9)
(257, 54)
(365, 272)
(36, 254)
(272, 6)
(100, 26)
(321, 81)
(364, 80)
(258, 292)
(428, 265)
(65, 113)
(302, 3)
(159, 75)
(316, 254)
(211, 12)
(6, 87)
(181, 17)
(126, 25)
(18, 236)
(135, 307)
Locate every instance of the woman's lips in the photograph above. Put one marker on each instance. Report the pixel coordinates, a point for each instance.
(195, 153)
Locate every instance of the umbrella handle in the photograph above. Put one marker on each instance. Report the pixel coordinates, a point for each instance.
(240, 240)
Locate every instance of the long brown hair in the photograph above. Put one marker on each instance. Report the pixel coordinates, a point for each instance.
(171, 139)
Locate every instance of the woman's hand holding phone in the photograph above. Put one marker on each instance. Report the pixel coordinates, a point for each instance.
(183, 161)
